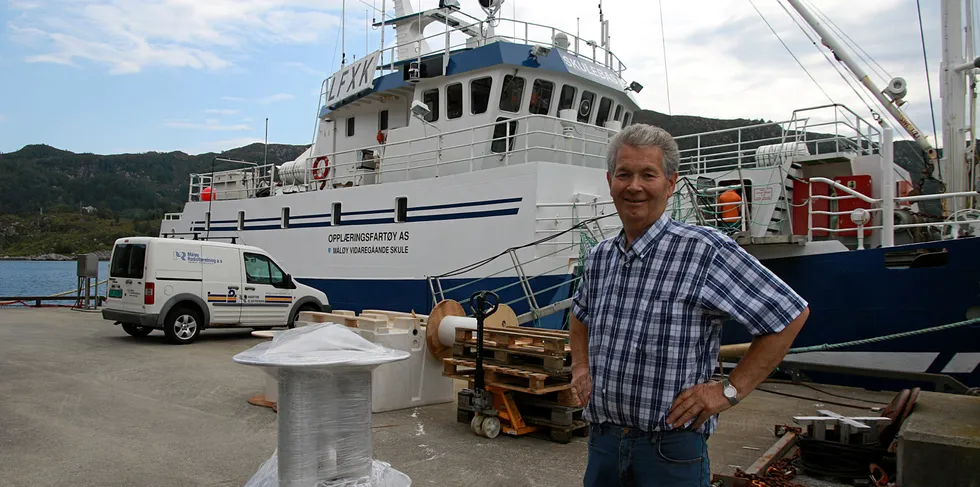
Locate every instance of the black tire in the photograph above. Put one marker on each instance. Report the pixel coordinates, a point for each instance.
(136, 330)
(305, 307)
(183, 324)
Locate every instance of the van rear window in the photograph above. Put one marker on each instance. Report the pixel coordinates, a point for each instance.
(127, 261)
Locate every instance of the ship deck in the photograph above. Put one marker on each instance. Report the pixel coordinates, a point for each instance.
(82, 403)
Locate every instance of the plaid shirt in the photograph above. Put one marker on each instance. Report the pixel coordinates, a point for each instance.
(655, 312)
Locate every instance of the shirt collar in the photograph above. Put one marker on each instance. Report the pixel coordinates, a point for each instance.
(645, 242)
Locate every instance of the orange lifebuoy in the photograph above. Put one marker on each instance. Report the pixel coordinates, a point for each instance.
(381, 137)
(320, 173)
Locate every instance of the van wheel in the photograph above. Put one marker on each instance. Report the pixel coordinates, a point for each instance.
(305, 307)
(136, 330)
(183, 325)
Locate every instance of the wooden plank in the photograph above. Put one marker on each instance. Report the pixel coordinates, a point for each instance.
(517, 379)
(530, 331)
(505, 339)
(529, 360)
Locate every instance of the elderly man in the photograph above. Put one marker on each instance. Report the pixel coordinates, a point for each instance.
(646, 326)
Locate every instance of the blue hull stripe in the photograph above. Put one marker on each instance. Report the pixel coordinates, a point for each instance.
(369, 212)
(372, 221)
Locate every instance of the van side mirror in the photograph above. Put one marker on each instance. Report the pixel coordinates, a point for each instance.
(289, 282)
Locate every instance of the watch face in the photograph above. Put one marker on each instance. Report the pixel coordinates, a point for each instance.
(730, 391)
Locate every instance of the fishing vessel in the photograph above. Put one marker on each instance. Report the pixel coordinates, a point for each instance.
(475, 159)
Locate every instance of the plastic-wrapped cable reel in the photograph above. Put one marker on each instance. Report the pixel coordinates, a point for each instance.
(324, 408)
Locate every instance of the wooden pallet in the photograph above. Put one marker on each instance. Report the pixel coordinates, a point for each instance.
(533, 361)
(547, 342)
(547, 411)
(506, 377)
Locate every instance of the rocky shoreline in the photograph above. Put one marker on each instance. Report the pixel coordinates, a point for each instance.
(102, 254)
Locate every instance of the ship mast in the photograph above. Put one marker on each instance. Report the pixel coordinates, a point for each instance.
(953, 92)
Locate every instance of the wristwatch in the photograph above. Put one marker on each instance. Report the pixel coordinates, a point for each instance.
(730, 392)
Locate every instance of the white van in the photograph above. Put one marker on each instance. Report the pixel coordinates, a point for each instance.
(184, 286)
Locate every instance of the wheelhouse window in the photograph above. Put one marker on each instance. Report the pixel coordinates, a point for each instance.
(260, 270)
(541, 92)
(511, 93)
(567, 98)
(383, 120)
(627, 119)
(454, 100)
(480, 95)
(350, 127)
(605, 105)
(241, 220)
(285, 217)
(619, 113)
(431, 99)
(585, 106)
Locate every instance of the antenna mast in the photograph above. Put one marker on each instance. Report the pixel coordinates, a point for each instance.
(343, 33)
(845, 57)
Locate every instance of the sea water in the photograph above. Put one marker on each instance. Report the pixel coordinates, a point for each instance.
(42, 278)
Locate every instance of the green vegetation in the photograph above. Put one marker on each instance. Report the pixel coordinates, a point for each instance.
(66, 233)
(44, 190)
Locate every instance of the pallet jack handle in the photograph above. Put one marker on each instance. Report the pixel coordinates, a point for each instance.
(483, 304)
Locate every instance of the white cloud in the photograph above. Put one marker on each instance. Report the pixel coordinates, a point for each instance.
(275, 98)
(297, 66)
(129, 35)
(232, 98)
(723, 61)
(209, 124)
(220, 111)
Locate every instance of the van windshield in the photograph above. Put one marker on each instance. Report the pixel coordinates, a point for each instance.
(127, 261)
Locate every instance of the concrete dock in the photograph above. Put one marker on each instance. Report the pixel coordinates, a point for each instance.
(84, 404)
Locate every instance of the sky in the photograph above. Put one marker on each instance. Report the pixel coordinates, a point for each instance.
(114, 76)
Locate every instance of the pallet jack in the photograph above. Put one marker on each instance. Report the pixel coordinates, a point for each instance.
(493, 408)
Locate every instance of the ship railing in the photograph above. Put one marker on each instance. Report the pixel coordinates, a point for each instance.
(835, 128)
(504, 142)
(232, 184)
(536, 279)
(477, 34)
(960, 222)
(701, 206)
(810, 132)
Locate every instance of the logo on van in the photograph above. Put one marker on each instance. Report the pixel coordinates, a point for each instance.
(194, 258)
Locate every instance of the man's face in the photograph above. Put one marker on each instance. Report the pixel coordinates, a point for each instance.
(638, 186)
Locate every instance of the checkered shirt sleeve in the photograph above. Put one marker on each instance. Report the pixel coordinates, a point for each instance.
(737, 284)
(580, 301)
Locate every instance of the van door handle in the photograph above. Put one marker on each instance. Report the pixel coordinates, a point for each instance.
(129, 281)
(249, 288)
(234, 287)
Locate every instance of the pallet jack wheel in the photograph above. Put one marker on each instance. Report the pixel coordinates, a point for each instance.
(491, 427)
(476, 423)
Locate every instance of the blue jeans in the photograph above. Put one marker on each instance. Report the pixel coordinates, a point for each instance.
(626, 457)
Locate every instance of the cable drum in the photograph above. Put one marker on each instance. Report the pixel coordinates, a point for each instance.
(839, 460)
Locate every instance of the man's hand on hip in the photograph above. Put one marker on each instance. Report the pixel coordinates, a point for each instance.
(581, 385)
(701, 401)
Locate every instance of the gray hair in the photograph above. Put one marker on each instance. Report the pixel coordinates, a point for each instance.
(641, 135)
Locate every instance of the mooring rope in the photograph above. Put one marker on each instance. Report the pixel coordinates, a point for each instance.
(831, 346)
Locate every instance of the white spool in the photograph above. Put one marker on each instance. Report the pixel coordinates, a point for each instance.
(324, 411)
(449, 325)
